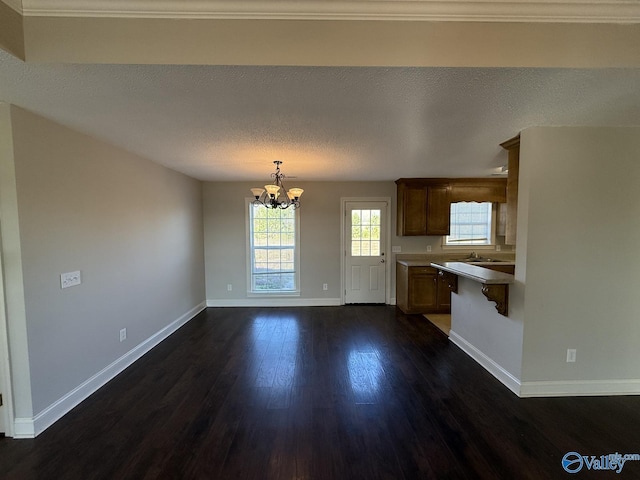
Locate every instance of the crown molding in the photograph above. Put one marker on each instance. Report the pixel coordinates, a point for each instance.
(14, 4)
(549, 11)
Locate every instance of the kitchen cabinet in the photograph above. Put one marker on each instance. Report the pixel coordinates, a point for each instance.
(438, 209)
(424, 204)
(419, 289)
(412, 209)
(512, 146)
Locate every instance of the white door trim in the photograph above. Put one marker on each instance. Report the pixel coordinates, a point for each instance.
(343, 242)
(5, 375)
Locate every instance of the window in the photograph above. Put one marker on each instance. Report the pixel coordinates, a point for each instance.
(273, 250)
(365, 233)
(471, 224)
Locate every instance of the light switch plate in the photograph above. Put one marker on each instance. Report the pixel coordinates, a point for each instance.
(70, 279)
(396, 249)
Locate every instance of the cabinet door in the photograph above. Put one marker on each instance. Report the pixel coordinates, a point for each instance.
(412, 210)
(422, 292)
(444, 295)
(438, 210)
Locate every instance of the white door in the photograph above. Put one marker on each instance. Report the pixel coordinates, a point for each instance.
(365, 263)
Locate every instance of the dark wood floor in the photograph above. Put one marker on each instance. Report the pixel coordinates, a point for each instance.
(358, 392)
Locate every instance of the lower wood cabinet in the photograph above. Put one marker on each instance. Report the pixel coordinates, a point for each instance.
(420, 290)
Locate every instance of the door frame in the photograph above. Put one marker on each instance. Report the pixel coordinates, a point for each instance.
(343, 243)
(5, 375)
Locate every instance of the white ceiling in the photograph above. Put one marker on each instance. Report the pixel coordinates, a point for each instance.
(325, 123)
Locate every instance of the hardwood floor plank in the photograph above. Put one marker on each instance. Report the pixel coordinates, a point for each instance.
(318, 393)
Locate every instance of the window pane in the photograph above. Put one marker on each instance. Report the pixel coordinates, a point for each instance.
(274, 239)
(273, 256)
(355, 249)
(260, 255)
(355, 217)
(260, 239)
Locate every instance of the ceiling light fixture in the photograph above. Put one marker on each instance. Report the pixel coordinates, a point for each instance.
(275, 195)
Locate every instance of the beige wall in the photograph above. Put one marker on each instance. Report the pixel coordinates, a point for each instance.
(12, 264)
(11, 31)
(329, 42)
(134, 230)
(578, 239)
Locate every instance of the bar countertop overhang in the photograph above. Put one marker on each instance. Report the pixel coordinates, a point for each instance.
(474, 272)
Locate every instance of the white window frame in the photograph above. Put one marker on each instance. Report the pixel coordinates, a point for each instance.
(249, 257)
(468, 246)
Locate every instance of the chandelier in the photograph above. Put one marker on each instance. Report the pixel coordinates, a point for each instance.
(275, 195)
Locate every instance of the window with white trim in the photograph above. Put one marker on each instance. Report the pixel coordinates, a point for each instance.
(273, 250)
(472, 223)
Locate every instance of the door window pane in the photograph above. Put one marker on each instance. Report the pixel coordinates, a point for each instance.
(365, 233)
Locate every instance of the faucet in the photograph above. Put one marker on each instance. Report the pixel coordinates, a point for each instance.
(473, 255)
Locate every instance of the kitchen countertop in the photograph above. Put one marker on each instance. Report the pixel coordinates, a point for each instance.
(429, 261)
(475, 272)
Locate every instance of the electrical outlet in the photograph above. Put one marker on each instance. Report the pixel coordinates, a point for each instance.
(571, 355)
(428, 248)
(498, 248)
(123, 334)
(229, 287)
(70, 279)
(325, 286)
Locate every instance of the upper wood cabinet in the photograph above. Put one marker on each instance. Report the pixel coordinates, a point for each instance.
(412, 209)
(438, 209)
(424, 204)
(513, 147)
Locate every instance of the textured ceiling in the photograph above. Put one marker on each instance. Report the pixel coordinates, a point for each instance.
(230, 123)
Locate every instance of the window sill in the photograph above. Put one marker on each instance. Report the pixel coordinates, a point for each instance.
(273, 294)
(468, 247)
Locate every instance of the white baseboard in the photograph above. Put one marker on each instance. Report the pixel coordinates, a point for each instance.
(392, 301)
(506, 378)
(32, 427)
(23, 428)
(274, 302)
(576, 388)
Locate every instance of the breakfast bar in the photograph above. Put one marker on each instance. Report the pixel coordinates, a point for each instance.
(495, 285)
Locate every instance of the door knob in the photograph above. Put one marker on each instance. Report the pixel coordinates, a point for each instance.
(382, 261)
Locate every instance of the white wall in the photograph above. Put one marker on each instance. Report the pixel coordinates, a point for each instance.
(134, 230)
(578, 248)
(494, 340)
